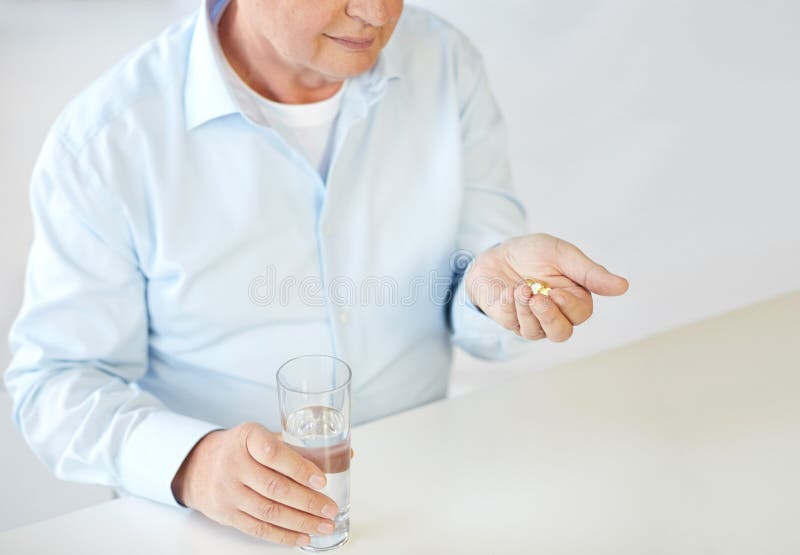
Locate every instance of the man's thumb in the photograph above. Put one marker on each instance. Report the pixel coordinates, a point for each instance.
(599, 280)
(585, 272)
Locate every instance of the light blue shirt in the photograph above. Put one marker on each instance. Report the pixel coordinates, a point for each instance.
(181, 253)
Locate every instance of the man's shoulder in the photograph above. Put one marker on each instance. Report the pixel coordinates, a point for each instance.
(420, 21)
(148, 79)
(421, 34)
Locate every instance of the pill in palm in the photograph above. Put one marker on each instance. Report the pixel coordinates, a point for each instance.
(538, 287)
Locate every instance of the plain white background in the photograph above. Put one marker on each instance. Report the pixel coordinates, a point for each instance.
(660, 137)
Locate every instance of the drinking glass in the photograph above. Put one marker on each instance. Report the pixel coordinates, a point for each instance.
(314, 397)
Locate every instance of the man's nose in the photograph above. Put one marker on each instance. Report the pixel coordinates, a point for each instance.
(375, 13)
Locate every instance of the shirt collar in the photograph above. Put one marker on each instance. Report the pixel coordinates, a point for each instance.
(206, 96)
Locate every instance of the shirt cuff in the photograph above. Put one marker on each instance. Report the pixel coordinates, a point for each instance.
(155, 451)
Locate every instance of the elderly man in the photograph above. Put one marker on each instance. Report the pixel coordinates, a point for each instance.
(222, 200)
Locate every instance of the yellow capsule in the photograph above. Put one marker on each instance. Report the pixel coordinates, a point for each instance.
(538, 287)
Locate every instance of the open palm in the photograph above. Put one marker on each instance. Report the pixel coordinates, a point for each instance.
(496, 284)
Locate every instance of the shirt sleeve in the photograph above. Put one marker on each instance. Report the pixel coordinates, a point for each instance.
(80, 341)
(490, 211)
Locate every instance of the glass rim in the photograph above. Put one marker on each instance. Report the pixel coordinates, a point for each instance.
(282, 383)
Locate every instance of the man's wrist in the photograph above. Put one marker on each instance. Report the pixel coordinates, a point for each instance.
(467, 281)
(181, 482)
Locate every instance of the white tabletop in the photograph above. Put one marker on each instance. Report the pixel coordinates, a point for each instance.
(687, 442)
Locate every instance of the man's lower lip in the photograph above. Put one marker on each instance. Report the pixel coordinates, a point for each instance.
(353, 45)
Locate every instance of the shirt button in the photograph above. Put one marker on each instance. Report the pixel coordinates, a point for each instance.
(344, 317)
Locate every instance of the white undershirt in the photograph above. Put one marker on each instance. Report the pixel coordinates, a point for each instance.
(309, 128)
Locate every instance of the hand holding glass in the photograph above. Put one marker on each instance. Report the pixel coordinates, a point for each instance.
(314, 397)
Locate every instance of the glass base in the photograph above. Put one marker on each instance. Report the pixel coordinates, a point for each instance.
(311, 548)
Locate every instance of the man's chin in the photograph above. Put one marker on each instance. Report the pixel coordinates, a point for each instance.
(351, 69)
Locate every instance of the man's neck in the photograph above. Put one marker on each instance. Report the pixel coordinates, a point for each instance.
(260, 67)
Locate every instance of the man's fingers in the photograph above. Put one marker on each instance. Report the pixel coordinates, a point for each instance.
(503, 312)
(273, 512)
(584, 271)
(260, 529)
(553, 322)
(277, 487)
(268, 449)
(529, 326)
(577, 308)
